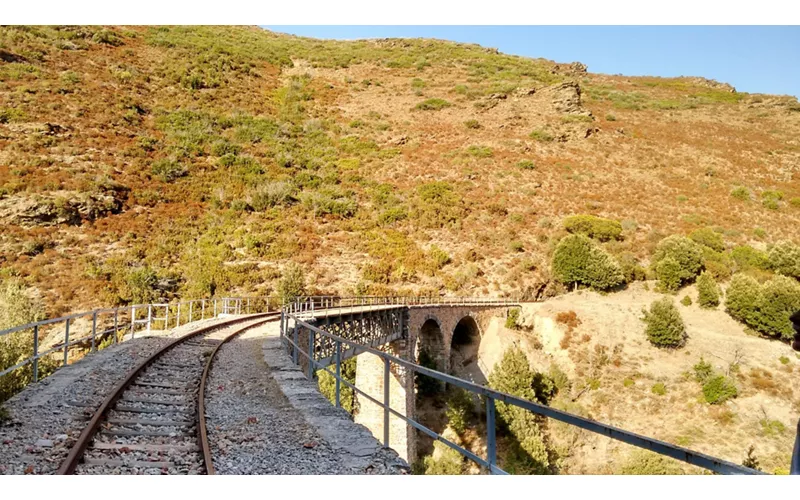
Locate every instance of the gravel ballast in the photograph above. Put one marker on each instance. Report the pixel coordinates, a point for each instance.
(255, 429)
(47, 417)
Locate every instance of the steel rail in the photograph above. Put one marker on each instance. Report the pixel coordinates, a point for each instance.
(76, 452)
(202, 432)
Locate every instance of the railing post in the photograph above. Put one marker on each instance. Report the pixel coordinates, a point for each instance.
(66, 342)
(296, 344)
(166, 316)
(178, 320)
(203, 309)
(491, 444)
(94, 328)
(191, 306)
(248, 305)
(338, 373)
(215, 307)
(36, 353)
(116, 325)
(149, 316)
(794, 469)
(310, 354)
(133, 319)
(386, 402)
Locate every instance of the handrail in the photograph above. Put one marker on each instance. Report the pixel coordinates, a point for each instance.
(128, 320)
(490, 463)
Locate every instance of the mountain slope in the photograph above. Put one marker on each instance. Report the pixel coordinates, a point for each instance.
(139, 163)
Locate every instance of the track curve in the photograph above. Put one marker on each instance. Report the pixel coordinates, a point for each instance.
(163, 388)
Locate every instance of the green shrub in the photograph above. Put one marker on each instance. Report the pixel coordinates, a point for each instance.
(648, 463)
(795, 202)
(741, 193)
(707, 290)
(449, 461)
(526, 165)
(703, 370)
(771, 199)
(665, 326)
(784, 258)
(168, 170)
(686, 300)
(17, 307)
(433, 104)
(718, 389)
(426, 386)
(594, 227)
(271, 194)
(292, 283)
(473, 124)
(460, 408)
(780, 298)
(784, 360)
(632, 270)
(437, 204)
(439, 257)
(327, 385)
(659, 389)
(687, 261)
(513, 375)
(577, 259)
(772, 428)
(480, 151)
(746, 257)
(541, 136)
(107, 37)
(708, 237)
(329, 201)
(392, 215)
(512, 319)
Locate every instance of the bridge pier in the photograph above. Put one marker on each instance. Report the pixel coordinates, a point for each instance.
(370, 379)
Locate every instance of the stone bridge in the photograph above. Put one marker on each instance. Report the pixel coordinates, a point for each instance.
(443, 336)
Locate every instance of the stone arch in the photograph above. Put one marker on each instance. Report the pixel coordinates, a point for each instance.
(464, 348)
(430, 344)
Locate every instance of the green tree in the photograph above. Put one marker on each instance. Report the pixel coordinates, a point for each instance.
(347, 396)
(784, 258)
(594, 227)
(742, 298)
(292, 283)
(665, 326)
(688, 261)
(707, 290)
(513, 375)
(718, 389)
(17, 307)
(577, 259)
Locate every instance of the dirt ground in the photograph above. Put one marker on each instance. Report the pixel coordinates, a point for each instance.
(613, 368)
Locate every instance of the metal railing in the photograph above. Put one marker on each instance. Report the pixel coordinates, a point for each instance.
(292, 342)
(122, 323)
(312, 303)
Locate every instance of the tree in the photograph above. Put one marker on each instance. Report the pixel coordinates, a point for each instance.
(784, 258)
(292, 283)
(687, 261)
(513, 375)
(577, 259)
(743, 297)
(707, 291)
(665, 326)
(17, 307)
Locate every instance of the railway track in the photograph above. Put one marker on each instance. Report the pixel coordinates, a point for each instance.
(153, 422)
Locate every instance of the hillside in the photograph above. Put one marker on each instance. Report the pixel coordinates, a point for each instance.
(145, 162)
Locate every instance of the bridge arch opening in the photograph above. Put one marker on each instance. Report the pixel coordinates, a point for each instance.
(464, 347)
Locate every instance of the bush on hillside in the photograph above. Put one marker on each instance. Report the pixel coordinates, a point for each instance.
(271, 194)
(703, 370)
(719, 264)
(708, 237)
(746, 257)
(718, 389)
(686, 300)
(648, 463)
(433, 104)
(765, 308)
(784, 258)
(168, 170)
(743, 297)
(327, 385)
(707, 291)
(292, 283)
(512, 319)
(687, 256)
(577, 259)
(780, 298)
(594, 227)
(669, 274)
(665, 326)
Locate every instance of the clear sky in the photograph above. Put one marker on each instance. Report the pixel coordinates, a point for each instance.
(758, 59)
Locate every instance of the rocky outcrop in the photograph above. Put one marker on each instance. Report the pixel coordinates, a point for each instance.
(63, 207)
(565, 97)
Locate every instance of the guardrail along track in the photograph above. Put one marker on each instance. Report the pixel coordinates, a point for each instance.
(154, 420)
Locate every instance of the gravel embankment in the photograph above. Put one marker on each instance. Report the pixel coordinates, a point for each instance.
(254, 429)
(47, 418)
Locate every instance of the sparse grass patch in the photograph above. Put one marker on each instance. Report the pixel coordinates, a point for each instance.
(472, 124)
(659, 389)
(541, 136)
(741, 193)
(526, 165)
(433, 104)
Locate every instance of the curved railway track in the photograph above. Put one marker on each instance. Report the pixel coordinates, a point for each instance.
(153, 422)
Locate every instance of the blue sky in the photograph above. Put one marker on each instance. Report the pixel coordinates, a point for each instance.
(758, 59)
